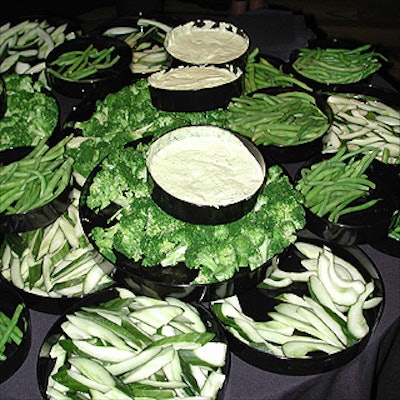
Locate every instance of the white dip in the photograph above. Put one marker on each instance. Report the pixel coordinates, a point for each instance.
(206, 44)
(189, 78)
(205, 165)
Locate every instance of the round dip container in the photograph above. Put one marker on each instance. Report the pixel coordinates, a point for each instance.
(195, 88)
(207, 42)
(205, 174)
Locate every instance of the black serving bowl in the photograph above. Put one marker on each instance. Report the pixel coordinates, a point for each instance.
(206, 54)
(104, 80)
(45, 363)
(15, 354)
(195, 212)
(334, 43)
(195, 98)
(37, 217)
(365, 226)
(258, 301)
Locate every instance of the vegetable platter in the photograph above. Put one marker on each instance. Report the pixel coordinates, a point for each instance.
(145, 36)
(120, 345)
(15, 328)
(314, 311)
(27, 40)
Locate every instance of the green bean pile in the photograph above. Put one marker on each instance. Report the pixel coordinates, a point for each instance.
(78, 65)
(337, 65)
(36, 179)
(332, 186)
(261, 74)
(9, 330)
(284, 119)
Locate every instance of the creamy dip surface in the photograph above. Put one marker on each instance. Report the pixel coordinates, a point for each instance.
(205, 165)
(206, 44)
(189, 78)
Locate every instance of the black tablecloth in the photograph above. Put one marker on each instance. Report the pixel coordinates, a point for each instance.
(276, 33)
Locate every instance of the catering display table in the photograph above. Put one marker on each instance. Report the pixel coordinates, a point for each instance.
(276, 33)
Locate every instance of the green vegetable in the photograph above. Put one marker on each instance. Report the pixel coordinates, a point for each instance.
(331, 187)
(81, 65)
(338, 65)
(94, 361)
(31, 115)
(142, 231)
(9, 330)
(260, 73)
(284, 119)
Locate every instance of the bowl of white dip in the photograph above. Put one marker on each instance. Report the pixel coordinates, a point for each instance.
(207, 42)
(205, 174)
(195, 87)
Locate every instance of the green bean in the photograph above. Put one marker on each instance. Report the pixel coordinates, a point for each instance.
(10, 328)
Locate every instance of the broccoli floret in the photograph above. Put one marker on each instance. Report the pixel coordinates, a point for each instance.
(104, 239)
(31, 114)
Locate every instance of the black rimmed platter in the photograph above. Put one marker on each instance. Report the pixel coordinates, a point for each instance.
(285, 144)
(15, 351)
(116, 300)
(258, 301)
(106, 74)
(159, 281)
(367, 225)
(325, 82)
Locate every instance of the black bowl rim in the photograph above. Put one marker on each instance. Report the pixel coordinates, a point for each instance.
(108, 294)
(309, 366)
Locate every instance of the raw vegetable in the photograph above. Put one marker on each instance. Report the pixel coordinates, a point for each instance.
(261, 73)
(361, 122)
(286, 118)
(125, 116)
(147, 43)
(31, 115)
(83, 65)
(25, 45)
(10, 332)
(106, 352)
(333, 186)
(140, 230)
(56, 260)
(316, 320)
(36, 179)
(394, 231)
(338, 65)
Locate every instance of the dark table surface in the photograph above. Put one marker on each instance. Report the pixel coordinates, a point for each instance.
(276, 33)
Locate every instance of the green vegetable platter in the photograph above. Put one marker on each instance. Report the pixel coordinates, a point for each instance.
(335, 63)
(315, 310)
(160, 255)
(25, 42)
(15, 331)
(350, 197)
(126, 346)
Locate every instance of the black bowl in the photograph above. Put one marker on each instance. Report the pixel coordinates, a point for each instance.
(335, 43)
(37, 217)
(45, 363)
(257, 302)
(204, 54)
(104, 81)
(15, 354)
(195, 212)
(198, 98)
(365, 226)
